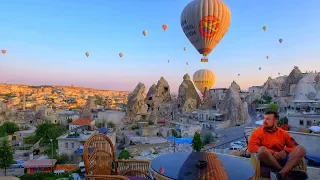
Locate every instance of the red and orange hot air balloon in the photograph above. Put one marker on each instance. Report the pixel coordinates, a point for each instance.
(3, 51)
(164, 27)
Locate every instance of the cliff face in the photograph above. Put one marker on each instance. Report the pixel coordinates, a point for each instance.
(188, 98)
(233, 107)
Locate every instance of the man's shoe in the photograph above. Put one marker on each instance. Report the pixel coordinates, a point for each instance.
(275, 176)
(299, 175)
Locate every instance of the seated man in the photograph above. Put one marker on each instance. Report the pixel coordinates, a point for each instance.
(276, 148)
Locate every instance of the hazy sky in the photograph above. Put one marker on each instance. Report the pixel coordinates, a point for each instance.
(46, 41)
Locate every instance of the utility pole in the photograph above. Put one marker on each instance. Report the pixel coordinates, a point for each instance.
(51, 155)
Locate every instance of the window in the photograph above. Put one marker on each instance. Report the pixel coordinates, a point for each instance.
(66, 145)
(308, 123)
(301, 122)
(72, 145)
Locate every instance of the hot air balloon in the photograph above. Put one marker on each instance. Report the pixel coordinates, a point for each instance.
(267, 57)
(4, 51)
(144, 32)
(280, 40)
(295, 67)
(184, 48)
(168, 61)
(264, 28)
(164, 27)
(238, 74)
(205, 22)
(87, 54)
(121, 54)
(204, 79)
(278, 73)
(187, 63)
(260, 68)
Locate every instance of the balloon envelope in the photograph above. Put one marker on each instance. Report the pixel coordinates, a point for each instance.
(87, 54)
(144, 32)
(267, 57)
(205, 22)
(264, 28)
(280, 40)
(3, 51)
(204, 79)
(164, 27)
(120, 54)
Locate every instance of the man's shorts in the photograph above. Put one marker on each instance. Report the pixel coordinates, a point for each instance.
(282, 162)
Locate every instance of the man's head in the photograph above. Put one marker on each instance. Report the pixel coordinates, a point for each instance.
(270, 119)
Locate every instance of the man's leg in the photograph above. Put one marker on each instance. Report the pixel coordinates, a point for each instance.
(268, 158)
(295, 158)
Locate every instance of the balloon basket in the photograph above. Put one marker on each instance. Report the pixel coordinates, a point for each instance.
(204, 59)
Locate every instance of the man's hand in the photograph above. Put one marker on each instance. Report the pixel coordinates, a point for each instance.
(280, 155)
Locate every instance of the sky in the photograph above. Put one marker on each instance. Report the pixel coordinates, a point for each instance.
(46, 42)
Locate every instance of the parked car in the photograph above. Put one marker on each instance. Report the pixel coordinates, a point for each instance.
(18, 164)
(237, 143)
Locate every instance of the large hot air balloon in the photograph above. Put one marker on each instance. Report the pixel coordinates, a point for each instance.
(3, 51)
(267, 57)
(260, 68)
(205, 22)
(280, 40)
(204, 79)
(164, 27)
(264, 28)
(87, 54)
(187, 63)
(120, 54)
(144, 32)
(184, 48)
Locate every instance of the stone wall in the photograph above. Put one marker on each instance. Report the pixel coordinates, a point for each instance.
(149, 131)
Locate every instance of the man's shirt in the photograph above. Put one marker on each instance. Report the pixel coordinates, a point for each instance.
(274, 141)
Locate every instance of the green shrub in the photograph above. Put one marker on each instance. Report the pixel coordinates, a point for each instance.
(208, 138)
(124, 155)
(134, 127)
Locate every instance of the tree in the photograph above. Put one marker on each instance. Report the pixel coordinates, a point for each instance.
(197, 144)
(125, 154)
(6, 154)
(273, 107)
(10, 127)
(283, 120)
(208, 138)
(267, 99)
(111, 125)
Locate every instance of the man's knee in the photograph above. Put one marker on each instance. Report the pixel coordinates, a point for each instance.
(262, 152)
(300, 151)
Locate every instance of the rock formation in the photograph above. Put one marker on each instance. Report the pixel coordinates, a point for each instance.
(206, 103)
(88, 107)
(233, 107)
(136, 105)
(272, 87)
(188, 98)
(291, 81)
(157, 95)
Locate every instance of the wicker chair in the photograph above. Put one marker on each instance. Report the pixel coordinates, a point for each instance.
(105, 177)
(100, 159)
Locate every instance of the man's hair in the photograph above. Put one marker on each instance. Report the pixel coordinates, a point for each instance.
(275, 114)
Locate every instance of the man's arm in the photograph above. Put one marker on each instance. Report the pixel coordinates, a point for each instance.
(290, 143)
(255, 143)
